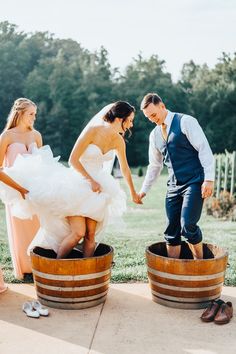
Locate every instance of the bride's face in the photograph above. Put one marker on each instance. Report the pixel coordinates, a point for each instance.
(29, 116)
(129, 122)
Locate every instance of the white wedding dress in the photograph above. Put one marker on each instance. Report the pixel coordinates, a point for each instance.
(57, 191)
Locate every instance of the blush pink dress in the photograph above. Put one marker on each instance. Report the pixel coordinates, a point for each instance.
(20, 232)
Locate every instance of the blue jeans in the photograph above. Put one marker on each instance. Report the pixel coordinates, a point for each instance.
(183, 210)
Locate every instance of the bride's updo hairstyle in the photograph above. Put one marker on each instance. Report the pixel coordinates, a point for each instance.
(120, 109)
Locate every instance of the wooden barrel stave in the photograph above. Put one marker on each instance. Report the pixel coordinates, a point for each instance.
(73, 305)
(68, 293)
(186, 283)
(73, 283)
(187, 294)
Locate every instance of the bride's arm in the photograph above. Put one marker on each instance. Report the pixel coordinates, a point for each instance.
(125, 170)
(78, 149)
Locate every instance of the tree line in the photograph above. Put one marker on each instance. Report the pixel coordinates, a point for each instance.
(70, 84)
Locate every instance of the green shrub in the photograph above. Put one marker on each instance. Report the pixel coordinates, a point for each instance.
(222, 207)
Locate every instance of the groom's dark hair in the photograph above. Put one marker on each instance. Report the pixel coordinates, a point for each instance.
(150, 98)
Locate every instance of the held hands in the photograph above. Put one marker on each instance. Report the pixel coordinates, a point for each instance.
(207, 189)
(136, 198)
(142, 195)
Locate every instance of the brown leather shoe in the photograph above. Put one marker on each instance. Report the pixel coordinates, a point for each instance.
(224, 314)
(209, 313)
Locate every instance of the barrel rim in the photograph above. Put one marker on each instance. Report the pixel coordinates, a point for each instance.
(72, 259)
(148, 252)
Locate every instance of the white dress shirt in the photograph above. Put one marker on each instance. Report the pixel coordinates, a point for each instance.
(194, 133)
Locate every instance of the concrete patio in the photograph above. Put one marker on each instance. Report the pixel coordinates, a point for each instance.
(129, 322)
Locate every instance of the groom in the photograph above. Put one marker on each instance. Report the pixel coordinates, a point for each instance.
(179, 142)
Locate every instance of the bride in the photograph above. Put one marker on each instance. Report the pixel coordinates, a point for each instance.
(76, 203)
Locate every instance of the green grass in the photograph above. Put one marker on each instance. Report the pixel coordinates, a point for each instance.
(144, 224)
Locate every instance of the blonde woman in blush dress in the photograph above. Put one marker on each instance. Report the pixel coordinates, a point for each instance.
(20, 137)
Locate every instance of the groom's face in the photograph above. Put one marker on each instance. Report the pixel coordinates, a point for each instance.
(156, 113)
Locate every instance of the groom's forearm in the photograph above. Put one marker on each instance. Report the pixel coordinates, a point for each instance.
(153, 172)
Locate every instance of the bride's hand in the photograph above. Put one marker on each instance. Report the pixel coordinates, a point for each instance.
(23, 192)
(136, 198)
(96, 187)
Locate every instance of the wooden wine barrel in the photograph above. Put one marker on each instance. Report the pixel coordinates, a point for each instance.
(186, 283)
(72, 283)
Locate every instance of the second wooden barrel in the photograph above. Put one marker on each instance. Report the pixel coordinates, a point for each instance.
(186, 283)
(74, 282)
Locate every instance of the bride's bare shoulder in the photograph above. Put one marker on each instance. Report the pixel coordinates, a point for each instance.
(95, 130)
(119, 141)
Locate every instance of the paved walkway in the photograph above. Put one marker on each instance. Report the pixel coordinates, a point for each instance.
(128, 323)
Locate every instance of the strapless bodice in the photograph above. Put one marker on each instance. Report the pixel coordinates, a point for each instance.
(93, 157)
(17, 148)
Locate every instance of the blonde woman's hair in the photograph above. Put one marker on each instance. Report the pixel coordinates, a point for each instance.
(19, 107)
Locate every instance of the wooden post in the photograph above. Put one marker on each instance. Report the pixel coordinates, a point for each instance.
(226, 171)
(232, 184)
(215, 156)
(218, 183)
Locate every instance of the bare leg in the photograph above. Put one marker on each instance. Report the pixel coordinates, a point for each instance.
(197, 250)
(78, 228)
(173, 251)
(89, 240)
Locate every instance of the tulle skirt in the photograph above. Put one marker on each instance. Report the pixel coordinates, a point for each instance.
(57, 191)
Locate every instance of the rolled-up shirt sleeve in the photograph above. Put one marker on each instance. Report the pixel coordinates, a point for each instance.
(155, 165)
(191, 128)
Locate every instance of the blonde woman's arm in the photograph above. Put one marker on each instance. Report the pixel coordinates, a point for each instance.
(4, 142)
(11, 183)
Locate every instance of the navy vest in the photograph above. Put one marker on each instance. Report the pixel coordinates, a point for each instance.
(180, 157)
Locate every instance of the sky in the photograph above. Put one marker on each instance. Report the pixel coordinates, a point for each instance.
(176, 30)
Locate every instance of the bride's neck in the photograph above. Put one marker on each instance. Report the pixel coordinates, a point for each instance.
(116, 127)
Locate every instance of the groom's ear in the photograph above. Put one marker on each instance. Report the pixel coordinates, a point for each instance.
(163, 105)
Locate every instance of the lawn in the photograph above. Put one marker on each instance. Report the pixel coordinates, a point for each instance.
(144, 224)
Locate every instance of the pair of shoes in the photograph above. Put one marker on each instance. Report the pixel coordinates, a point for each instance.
(34, 309)
(224, 314)
(218, 311)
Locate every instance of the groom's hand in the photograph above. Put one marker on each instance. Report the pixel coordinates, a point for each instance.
(207, 189)
(142, 195)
